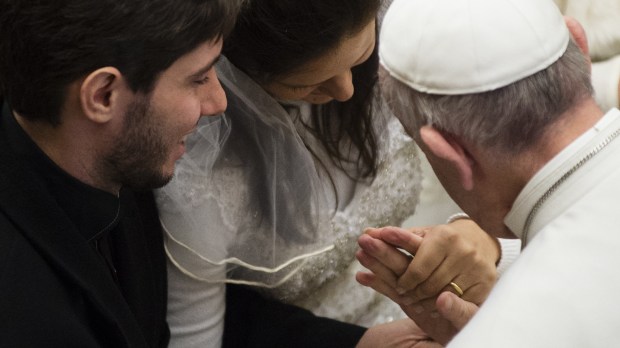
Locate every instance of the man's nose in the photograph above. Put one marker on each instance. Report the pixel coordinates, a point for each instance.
(215, 101)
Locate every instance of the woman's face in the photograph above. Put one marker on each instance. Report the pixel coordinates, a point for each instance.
(329, 76)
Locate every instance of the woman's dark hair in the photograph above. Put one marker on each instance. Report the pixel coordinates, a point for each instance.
(276, 37)
(47, 44)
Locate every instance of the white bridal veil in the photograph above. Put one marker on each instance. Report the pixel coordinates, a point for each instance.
(230, 219)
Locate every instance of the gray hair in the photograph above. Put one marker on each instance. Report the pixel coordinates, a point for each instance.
(510, 119)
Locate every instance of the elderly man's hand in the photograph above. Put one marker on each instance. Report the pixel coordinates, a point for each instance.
(397, 334)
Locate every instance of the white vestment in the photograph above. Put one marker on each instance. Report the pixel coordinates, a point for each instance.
(562, 291)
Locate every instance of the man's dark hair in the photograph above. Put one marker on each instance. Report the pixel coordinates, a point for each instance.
(47, 44)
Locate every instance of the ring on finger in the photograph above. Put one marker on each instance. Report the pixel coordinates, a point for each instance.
(457, 288)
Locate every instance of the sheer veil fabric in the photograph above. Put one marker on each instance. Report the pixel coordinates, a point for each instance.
(247, 199)
(260, 210)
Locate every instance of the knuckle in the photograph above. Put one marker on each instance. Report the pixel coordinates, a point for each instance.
(415, 274)
(366, 261)
(452, 237)
(426, 289)
(473, 255)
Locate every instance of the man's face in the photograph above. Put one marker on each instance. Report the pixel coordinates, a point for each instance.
(155, 126)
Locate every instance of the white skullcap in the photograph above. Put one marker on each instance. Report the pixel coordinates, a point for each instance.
(470, 46)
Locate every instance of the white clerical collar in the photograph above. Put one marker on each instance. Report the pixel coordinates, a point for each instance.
(549, 174)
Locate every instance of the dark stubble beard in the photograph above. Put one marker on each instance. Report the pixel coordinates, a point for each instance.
(140, 152)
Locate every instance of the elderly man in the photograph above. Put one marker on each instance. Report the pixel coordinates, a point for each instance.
(499, 98)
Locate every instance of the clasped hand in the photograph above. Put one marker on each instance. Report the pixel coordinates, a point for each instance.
(459, 253)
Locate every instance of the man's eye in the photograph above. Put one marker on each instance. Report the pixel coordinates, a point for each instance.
(203, 81)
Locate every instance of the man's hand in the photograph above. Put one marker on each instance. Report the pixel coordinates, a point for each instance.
(406, 333)
(456, 310)
(397, 334)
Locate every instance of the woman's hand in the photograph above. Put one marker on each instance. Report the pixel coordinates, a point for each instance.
(459, 253)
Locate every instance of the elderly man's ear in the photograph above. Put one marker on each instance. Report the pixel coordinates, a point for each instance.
(447, 148)
(578, 34)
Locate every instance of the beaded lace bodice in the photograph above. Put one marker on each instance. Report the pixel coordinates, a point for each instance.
(326, 283)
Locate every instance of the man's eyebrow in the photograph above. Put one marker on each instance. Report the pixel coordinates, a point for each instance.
(198, 74)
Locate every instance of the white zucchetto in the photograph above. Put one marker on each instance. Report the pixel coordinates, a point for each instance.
(470, 46)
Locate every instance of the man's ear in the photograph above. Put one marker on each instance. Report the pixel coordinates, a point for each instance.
(449, 149)
(578, 34)
(99, 94)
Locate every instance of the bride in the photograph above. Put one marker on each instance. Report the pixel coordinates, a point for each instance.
(275, 193)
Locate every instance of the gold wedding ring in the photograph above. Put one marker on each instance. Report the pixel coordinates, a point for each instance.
(457, 288)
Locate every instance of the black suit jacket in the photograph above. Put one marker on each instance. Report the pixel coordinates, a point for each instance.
(253, 321)
(54, 289)
(56, 292)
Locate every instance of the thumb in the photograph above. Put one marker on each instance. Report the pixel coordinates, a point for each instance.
(454, 309)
